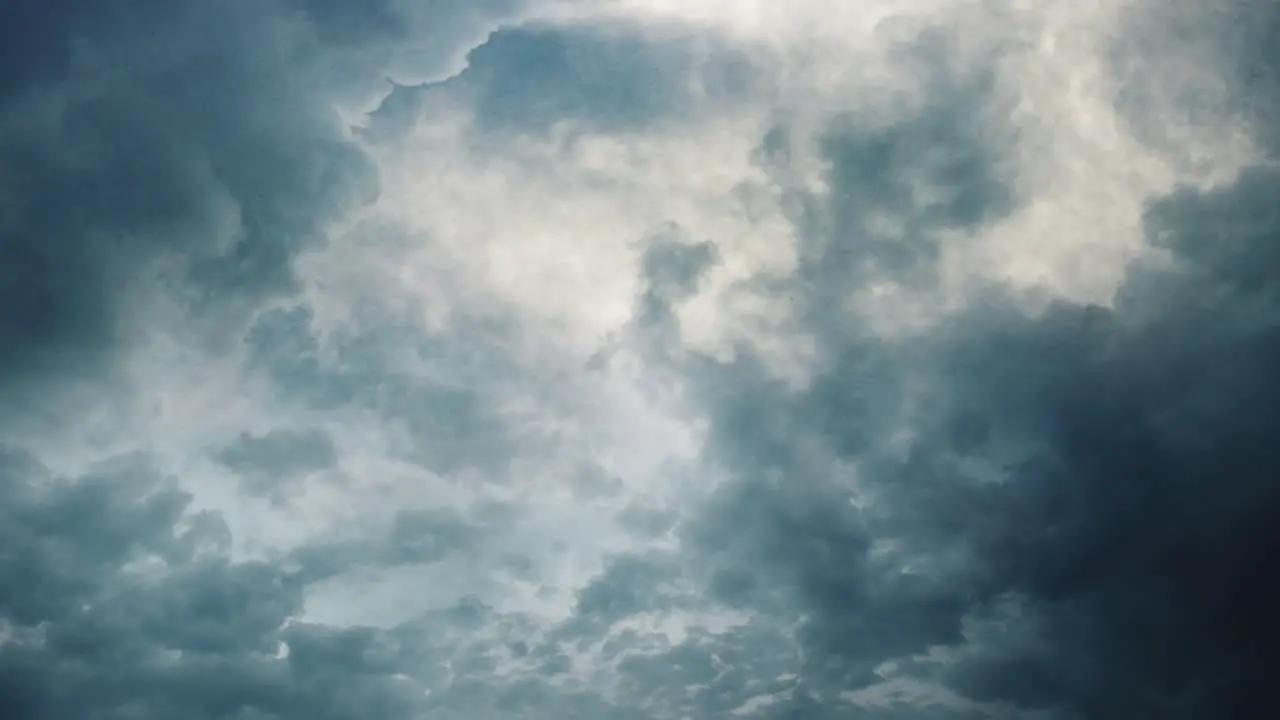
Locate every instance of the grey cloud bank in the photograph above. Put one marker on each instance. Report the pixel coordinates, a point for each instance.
(1026, 506)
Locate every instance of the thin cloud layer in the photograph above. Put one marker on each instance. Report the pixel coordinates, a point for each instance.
(598, 358)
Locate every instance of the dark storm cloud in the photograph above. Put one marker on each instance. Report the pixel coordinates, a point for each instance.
(1232, 45)
(1086, 498)
(102, 639)
(190, 151)
(1106, 477)
(145, 132)
(1149, 546)
(1134, 529)
(34, 48)
(782, 539)
(47, 570)
(1246, 44)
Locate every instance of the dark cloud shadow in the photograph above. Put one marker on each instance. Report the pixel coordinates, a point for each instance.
(1111, 474)
(171, 153)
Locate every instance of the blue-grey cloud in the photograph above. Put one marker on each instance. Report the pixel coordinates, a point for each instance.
(1122, 499)
(174, 133)
(189, 154)
(526, 79)
(447, 426)
(275, 460)
(415, 505)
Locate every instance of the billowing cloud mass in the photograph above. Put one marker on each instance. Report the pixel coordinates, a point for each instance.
(639, 359)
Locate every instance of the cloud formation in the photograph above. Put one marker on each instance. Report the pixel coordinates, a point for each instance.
(636, 359)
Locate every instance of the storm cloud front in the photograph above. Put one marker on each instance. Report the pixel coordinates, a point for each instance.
(638, 359)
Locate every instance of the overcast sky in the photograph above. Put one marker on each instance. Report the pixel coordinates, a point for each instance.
(639, 359)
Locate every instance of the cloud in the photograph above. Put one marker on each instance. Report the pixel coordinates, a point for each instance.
(155, 155)
(279, 456)
(1067, 511)
(1152, 495)
(528, 78)
(636, 359)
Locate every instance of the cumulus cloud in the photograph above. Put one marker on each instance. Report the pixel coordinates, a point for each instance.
(637, 359)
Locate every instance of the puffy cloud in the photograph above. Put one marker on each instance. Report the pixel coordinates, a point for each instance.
(599, 358)
(162, 149)
(1068, 510)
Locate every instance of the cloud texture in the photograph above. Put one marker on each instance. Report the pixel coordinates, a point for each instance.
(639, 359)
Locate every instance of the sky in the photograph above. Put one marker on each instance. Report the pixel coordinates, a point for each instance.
(639, 359)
